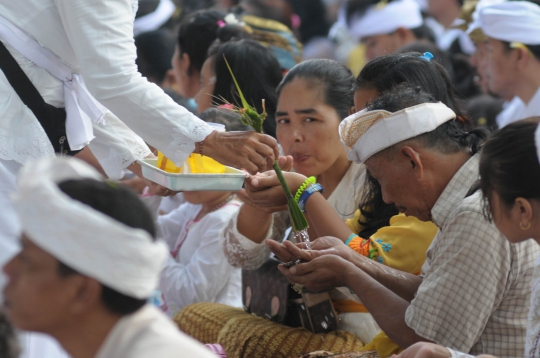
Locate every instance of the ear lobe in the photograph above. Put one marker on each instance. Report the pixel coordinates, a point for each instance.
(186, 62)
(524, 209)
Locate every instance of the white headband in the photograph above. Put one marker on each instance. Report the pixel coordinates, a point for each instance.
(381, 19)
(367, 133)
(537, 141)
(475, 23)
(154, 20)
(511, 21)
(120, 257)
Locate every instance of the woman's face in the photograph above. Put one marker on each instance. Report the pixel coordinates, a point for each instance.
(187, 81)
(508, 220)
(204, 97)
(307, 128)
(362, 96)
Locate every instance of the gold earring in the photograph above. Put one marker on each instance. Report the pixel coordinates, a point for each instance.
(523, 226)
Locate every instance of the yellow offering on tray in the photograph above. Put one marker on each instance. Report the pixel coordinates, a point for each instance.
(194, 164)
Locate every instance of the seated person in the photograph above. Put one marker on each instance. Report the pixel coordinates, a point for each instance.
(509, 177)
(87, 266)
(428, 168)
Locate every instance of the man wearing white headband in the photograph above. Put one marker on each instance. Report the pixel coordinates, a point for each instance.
(513, 56)
(384, 26)
(87, 267)
(474, 289)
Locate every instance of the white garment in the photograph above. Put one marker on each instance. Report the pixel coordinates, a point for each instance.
(517, 109)
(169, 203)
(197, 270)
(448, 36)
(95, 39)
(148, 333)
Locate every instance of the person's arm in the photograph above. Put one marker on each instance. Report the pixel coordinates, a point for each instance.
(387, 308)
(101, 35)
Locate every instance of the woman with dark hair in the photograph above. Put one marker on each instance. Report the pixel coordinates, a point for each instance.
(258, 74)
(196, 33)
(509, 180)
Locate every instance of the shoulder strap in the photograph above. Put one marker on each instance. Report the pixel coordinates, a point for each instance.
(21, 84)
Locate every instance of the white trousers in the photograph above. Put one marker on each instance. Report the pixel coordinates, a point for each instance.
(34, 345)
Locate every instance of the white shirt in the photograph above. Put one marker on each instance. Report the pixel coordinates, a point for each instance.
(93, 38)
(197, 270)
(148, 333)
(516, 109)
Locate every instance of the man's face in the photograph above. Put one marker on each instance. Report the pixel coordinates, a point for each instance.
(500, 69)
(37, 297)
(401, 184)
(380, 45)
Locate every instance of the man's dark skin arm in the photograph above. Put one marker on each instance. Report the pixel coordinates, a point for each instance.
(387, 308)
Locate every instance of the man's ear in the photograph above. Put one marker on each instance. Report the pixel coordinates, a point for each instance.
(414, 160)
(87, 294)
(186, 63)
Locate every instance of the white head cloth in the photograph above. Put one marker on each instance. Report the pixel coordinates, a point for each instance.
(382, 18)
(154, 20)
(511, 21)
(81, 107)
(537, 141)
(367, 133)
(120, 257)
(475, 23)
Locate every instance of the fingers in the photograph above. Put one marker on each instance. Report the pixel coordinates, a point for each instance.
(303, 255)
(265, 182)
(280, 251)
(270, 143)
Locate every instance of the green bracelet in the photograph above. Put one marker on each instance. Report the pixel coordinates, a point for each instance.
(308, 182)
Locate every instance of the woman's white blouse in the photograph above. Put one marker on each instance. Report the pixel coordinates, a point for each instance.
(93, 38)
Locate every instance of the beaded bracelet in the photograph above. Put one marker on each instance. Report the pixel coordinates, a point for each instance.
(310, 190)
(308, 182)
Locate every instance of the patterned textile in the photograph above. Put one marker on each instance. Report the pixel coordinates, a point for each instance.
(243, 335)
(476, 288)
(532, 346)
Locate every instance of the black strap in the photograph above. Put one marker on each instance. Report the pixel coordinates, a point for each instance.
(52, 119)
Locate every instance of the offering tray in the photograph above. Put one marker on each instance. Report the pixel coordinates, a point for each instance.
(231, 180)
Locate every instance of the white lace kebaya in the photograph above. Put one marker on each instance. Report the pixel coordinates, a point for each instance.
(73, 30)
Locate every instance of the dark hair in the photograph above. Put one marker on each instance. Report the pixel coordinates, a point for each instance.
(9, 345)
(385, 72)
(196, 33)
(535, 49)
(509, 164)
(258, 74)
(154, 52)
(122, 205)
(334, 78)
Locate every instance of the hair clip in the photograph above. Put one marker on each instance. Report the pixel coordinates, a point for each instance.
(221, 23)
(426, 56)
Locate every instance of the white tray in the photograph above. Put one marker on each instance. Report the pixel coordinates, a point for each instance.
(231, 180)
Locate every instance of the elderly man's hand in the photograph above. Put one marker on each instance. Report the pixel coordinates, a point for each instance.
(320, 274)
(251, 151)
(326, 245)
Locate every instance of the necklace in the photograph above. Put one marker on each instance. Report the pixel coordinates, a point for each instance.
(222, 204)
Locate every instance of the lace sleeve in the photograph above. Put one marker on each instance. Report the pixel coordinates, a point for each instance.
(244, 253)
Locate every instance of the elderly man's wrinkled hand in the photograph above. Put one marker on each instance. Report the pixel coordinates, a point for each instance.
(320, 274)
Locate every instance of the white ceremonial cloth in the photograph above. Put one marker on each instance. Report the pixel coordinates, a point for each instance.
(93, 38)
(475, 23)
(380, 20)
(81, 108)
(511, 21)
(200, 271)
(154, 20)
(517, 109)
(148, 333)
